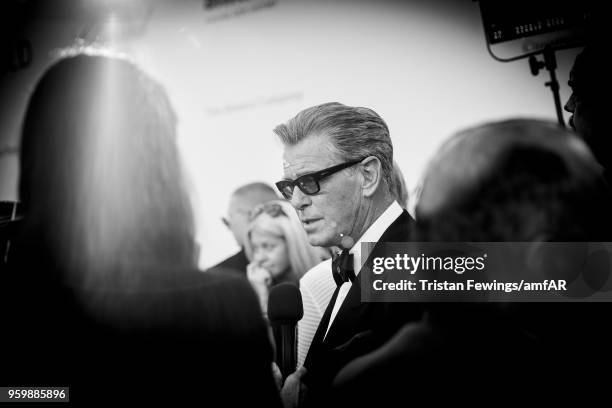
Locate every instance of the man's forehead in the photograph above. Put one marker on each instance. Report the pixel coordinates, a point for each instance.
(310, 154)
(300, 165)
(238, 204)
(244, 203)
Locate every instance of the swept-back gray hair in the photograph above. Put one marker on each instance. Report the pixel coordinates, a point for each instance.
(355, 132)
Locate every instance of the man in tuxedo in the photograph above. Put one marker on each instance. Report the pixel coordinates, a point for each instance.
(338, 168)
(241, 202)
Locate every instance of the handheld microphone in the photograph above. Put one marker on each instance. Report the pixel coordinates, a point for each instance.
(284, 310)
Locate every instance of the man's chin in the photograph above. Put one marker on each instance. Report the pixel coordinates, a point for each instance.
(318, 240)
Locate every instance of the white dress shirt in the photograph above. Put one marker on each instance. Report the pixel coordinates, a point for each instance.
(317, 287)
(372, 234)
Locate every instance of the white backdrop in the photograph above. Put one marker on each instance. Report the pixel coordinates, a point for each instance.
(235, 72)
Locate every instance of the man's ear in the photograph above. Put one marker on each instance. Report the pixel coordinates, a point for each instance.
(371, 171)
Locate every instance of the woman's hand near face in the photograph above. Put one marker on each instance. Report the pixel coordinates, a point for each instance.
(261, 280)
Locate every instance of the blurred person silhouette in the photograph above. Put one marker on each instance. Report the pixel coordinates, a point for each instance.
(590, 89)
(242, 201)
(516, 180)
(102, 290)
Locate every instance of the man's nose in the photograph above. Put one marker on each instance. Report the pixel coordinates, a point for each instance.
(569, 106)
(299, 200)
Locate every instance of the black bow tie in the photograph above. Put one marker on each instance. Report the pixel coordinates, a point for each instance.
(342, 267)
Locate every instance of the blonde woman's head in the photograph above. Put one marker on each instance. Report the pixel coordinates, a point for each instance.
(278, 243)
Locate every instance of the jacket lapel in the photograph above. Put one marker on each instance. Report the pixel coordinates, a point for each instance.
(350, 316)
(317, 340)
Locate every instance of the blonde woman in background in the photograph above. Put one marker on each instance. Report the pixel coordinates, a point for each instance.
(278, 248)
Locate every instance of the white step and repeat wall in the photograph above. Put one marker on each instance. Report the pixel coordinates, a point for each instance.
(234, 70)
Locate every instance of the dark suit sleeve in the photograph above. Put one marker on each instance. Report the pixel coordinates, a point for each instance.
(236, 264)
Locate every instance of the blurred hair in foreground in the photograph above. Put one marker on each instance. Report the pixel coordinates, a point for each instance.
(102, 286)
(516, 180)
(101, 180)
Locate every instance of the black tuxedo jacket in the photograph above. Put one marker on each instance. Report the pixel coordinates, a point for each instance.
(236, 263)
(358, 328)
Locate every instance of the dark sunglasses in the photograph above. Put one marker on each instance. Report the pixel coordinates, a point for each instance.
(309, 183)
(272, 209)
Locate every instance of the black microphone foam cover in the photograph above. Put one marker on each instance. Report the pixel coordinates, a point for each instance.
(285, 304)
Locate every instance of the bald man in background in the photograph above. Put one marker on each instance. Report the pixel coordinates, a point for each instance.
(242, 201)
